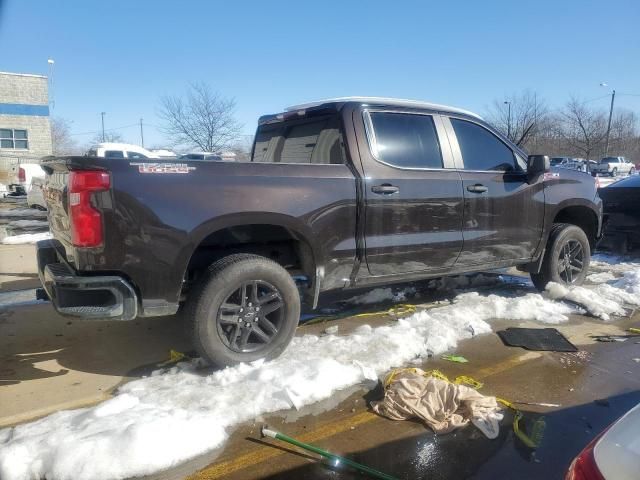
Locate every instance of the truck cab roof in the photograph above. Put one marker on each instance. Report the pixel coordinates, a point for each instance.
(394, 102)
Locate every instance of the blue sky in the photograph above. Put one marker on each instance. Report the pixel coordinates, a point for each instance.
(122, 56)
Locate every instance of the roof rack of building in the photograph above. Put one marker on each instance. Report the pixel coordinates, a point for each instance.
(396, 102)
(23, 74)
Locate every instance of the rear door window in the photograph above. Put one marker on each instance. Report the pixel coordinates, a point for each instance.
(135, 155)
(311, 140)
(405, 140)
(113, 154)
(481, 149)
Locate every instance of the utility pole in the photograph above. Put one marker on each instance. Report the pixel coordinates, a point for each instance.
(103, 114)
(141, 135)
(606, 145)
(52, 100)
(508, 120)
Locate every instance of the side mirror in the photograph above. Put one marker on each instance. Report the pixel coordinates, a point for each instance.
(538, 164)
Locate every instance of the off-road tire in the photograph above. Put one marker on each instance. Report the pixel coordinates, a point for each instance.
(214, 287)
(561, 234)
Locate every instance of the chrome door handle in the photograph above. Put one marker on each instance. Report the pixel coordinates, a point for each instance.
(477, 188)
(385, 189)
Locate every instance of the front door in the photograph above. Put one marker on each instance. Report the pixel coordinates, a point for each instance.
(503, 209)
(413, 196)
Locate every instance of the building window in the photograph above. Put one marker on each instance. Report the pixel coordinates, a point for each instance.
(14, 139)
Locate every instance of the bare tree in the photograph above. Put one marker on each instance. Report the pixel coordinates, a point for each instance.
(519, 117)
(202, 119)
(582, 128)
(624, 134)
(61, 140)
(111, 137)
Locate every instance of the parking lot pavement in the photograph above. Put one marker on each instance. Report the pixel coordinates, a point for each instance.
(49, 363)
(18, 267)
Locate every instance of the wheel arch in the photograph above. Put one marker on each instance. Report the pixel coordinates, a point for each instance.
(580, 215)
(283, 238)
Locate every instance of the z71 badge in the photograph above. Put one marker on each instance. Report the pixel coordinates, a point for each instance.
(163, 167)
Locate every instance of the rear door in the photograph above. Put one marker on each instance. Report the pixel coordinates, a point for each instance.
(503, 211)
(412, 193)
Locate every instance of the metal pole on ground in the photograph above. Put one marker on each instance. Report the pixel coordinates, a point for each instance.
(336, 459)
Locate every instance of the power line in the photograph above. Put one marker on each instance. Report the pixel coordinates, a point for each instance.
(106, 130)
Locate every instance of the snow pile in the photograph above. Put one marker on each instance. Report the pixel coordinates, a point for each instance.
(596, 305)
(377, 295)
(23, 212)
(127, 435)
(26, 238)
(612, 264)
(461, 282)
(601, 277)
(604, 299)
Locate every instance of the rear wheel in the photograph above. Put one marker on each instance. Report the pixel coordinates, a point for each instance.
(246, 307)
(632, 171)
(566, 259)
(614, 172)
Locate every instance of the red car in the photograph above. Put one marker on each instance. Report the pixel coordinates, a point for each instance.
(612, 455)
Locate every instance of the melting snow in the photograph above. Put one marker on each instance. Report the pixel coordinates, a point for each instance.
(26, 238)
(127, 435)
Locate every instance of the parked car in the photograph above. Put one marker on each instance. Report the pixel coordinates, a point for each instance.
(612, 455)
(558, 161)
(613, 166)
(621, 204)
(120, 150)
(35, 195)
(342, 193)
(17, 177)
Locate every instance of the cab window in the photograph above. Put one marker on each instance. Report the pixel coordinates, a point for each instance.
(481, 149)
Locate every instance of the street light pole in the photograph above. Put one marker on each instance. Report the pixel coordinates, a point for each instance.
(103, 114)
(508, 120)
(606, 145)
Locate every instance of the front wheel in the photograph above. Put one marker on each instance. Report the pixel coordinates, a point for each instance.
(566, 259)
(246, 307)
(632, 171)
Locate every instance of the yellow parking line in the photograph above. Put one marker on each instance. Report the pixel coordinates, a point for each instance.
(262, 454)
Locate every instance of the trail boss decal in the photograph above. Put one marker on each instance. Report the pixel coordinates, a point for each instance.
(163, 167)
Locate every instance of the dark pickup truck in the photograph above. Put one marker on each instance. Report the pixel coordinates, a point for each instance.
(340, 193)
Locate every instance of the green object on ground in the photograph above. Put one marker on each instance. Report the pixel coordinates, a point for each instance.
(534, 438)
(455, 358)
(336, 459)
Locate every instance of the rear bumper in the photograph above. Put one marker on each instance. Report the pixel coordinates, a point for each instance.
(108, 297)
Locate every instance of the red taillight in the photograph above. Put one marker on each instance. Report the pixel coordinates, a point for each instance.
(86, 221)
(22, 177)
(584, 466)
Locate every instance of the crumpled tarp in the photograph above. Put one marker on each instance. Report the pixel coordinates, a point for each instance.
(441, 405)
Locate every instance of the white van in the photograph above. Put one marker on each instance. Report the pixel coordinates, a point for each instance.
(120, 150)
